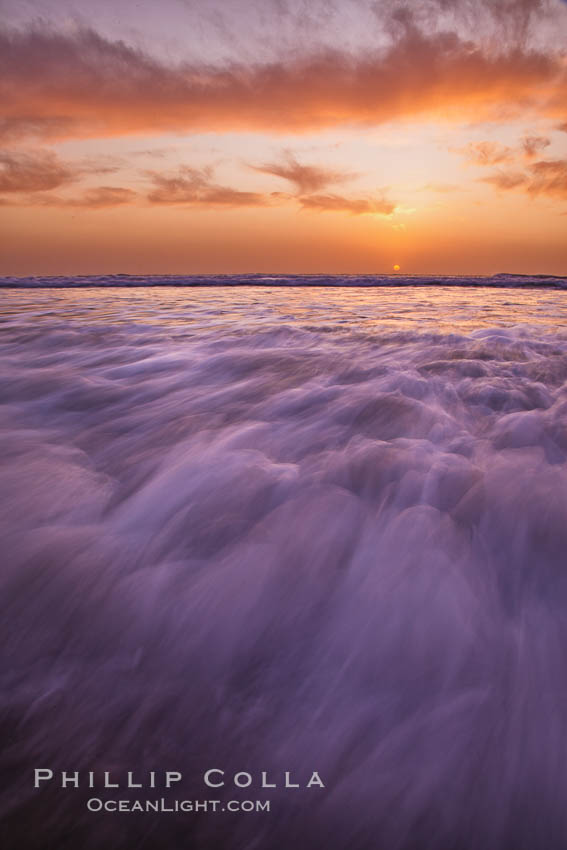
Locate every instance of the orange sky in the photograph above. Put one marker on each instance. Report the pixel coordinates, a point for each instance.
(367, 135)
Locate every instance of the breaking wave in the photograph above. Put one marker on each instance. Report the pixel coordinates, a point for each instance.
(271, 531)
(355, 280)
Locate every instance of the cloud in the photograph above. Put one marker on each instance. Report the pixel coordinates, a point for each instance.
(276, 28)
(544, 177)
(196, 187)
(35, 171)
(487, 153)
(532, 145)
(82, 84)
(97, 198)
(507, 180)
(39, 170)
(29, 179)
(336, 203)
(101, 164)
(534, 177)
(493, 153)
(549, 177)
(305, 178)
(14, 128)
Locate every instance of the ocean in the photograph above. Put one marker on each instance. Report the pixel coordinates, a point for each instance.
(260, 526)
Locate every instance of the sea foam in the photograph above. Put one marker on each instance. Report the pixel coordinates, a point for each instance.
(287, 531)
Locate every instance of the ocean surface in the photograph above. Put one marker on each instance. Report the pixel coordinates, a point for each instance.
(295, 529)
(376, 280)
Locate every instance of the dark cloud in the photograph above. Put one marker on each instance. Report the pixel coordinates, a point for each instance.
(93, 86)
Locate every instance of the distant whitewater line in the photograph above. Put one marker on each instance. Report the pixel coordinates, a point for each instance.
(367, 280)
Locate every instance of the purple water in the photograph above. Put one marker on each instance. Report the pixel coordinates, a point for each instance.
(271, 529)
(288, 280)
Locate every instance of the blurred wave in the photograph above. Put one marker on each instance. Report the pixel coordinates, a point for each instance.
(336, 280)
(298, 532)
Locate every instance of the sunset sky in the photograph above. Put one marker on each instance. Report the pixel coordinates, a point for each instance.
(191, 136)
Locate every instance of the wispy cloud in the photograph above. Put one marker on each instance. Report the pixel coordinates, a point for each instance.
(548, 177)
(487, 153)
(355, 206)
(100, 197)
(305, 178)
(33, 171)
(506, 180)
(532, 145)
(533, 176)
(14, 128)
(29, 178)
(544, 177)
(197, 187)
(40, 170)
(192, 186)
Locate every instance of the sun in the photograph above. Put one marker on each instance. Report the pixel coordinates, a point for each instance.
(396, 268)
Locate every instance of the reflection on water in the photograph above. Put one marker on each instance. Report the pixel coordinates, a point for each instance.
(287, 530)
(202, 309)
